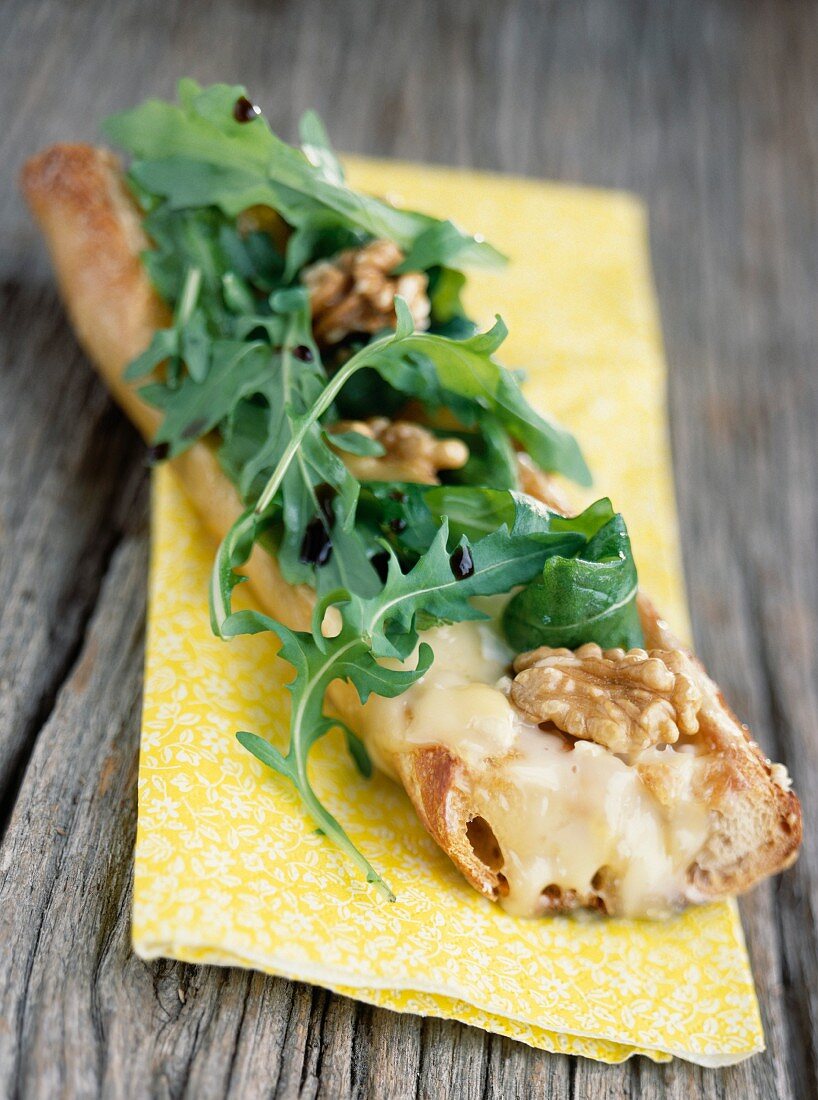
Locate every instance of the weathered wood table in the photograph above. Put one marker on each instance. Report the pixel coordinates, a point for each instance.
(709, 111)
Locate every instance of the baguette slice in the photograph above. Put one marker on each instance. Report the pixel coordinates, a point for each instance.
(730, 821)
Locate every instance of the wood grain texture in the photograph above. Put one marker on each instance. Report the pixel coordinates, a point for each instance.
(709, 111)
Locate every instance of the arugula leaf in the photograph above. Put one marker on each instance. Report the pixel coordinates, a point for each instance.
(466, 369)
(317, 663)
(445, 289)
(589, 596)
(444, 239)
(259, 396)
(197, 406)
(470, 511)
(244, 435)
(441, 590)
(186, 338)
(396, 513)
(207, 240)
(317, 149)
(197, 154)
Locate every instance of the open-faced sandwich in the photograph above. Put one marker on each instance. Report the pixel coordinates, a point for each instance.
(300, 355)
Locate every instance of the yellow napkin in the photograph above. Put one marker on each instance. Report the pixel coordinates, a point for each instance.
(229, 870)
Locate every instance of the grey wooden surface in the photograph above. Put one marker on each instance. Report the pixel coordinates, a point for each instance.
(709, 111)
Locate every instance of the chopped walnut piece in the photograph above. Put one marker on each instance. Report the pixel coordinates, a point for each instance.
(354, 292)
(413, 453)
(624, 701)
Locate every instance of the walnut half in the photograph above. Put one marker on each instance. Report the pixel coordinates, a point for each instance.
(624, 701)
(354, 292)
(413, 453)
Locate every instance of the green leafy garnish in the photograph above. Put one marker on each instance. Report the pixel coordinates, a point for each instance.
(239, 365)
(587, 597)
(197, 155)
(466, 369)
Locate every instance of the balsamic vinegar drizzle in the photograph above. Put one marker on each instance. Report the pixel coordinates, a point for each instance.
(244, 110)
(157, 453)
(380, 563)
(316, 546)
(462, 563)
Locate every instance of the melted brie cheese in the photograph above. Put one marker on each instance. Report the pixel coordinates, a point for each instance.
(561, 811)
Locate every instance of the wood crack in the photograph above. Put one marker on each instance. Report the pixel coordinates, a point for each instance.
(239, 1026)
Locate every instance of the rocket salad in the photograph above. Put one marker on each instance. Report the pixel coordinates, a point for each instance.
(243, 228)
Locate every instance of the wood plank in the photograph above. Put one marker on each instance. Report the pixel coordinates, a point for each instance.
(82, 1016)
(710, 110)
(68, 467)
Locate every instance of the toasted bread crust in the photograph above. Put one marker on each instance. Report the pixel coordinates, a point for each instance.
(94, 235)
(95, 238)
(758, 826)
(430, 776)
